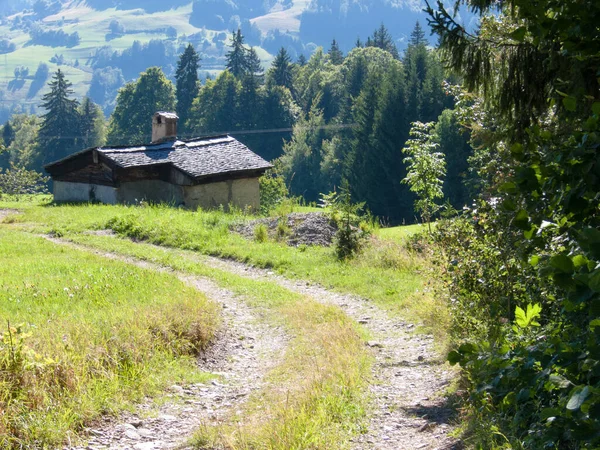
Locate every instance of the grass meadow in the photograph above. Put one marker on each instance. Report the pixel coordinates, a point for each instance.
(317, 396)
(82, 336)
(385, 272)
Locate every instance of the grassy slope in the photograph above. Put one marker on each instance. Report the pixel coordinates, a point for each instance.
(87, 336)
(92, 27)
(317, 397)
(385, 272)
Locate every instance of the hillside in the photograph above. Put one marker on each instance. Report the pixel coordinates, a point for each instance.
(103, 35)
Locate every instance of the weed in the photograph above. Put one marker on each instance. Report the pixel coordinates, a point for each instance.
(260, 233)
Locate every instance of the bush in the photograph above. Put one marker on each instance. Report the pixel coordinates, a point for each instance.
(352, 231)
(18, 181)
(272, 191)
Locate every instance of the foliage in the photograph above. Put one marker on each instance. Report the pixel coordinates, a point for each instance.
(91, 124)
(272, 191)
(426, 168)
(261, 233)
(352, 230)
(57, 134)
(188, 85)
(18, 181)
(131, 121)
(534, 65)
(280, 73)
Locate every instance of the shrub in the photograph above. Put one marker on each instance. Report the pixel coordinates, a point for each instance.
(260, 233)
(272, 191)
(352, 231)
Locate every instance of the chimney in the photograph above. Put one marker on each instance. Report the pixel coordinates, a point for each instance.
(164, 126)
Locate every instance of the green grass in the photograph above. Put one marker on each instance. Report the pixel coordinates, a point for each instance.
(87, 337)
(317, 397)
(400, 233)
(385, 273)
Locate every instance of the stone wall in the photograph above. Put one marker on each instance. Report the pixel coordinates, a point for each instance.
(153, 191)
(242, 193)
(66, 191)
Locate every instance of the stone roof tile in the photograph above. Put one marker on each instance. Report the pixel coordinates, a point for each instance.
(198, 158)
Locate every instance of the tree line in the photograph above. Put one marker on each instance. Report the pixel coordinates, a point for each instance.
(322, 120)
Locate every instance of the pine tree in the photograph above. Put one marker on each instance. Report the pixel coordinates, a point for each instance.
(417, 37)
(237, 60)
(8, 134)
(301, 60)
(336, 56)
(358, 43)
(91, 124)
(280, 73)
(254, 66)
(383, 40)
(187, 84)
(57, 135)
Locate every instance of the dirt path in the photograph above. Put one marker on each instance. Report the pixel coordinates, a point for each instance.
(409, 410)
(242, 354)
(409, 407)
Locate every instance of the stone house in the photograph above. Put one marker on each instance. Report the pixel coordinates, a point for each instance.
(204, 172)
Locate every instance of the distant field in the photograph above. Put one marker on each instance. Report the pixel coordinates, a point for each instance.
(92, 27)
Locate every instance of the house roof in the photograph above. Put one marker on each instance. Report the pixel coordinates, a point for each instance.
(198, 158)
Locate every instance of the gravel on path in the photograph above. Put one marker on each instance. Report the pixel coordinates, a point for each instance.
(410, 379)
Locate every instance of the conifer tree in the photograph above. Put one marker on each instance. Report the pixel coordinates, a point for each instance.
(57, 135)
(336, 57)
(237, 59)
(383, 40)
(417, 36)
(358, 43)
(187, 84)
(254, 66)
(302, 60)
(91, 124)
(8, 133)
(280, 73)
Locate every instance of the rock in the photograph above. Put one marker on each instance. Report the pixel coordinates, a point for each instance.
(167, 417)
(144, 432)
(375, 344)
(147, 446)
(132, 434)
(176, 389)
(363, 321)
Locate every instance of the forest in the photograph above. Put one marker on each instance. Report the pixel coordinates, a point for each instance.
(323, 119)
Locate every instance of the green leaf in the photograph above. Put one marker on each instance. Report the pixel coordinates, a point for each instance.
(454, 357)
(577, 398)
(594, 281)
(596, 108)
(534, 260)
(594, 324)
(559, 381)
(519, 34)
(522, 220)
(527, 318)
(562, 263)
(509, 187)
(580, 260)
(467, 348)
(570, 103)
